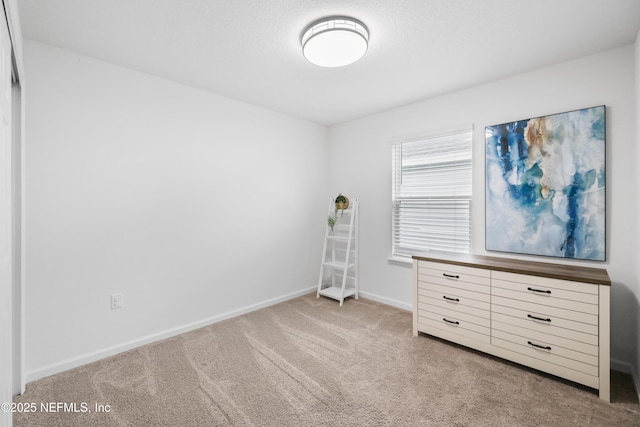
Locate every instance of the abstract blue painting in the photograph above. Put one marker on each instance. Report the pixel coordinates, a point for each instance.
(545, 185)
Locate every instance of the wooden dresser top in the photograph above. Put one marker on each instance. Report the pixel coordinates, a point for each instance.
(598, 276)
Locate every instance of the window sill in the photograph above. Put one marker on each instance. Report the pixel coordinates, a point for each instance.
(406, 262)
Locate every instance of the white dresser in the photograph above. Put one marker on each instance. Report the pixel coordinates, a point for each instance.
(550, 317)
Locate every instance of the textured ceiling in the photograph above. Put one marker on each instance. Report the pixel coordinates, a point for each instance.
(250, 50)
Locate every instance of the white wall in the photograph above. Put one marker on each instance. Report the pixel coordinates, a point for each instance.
(360, 161)
(192, 205)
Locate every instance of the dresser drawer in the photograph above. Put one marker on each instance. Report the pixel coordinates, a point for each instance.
(545, 282)
(427, 303)
(549, 325)
(454, 291)
(448, 273)
(431, 323)
(545, 299)
(432, 282)
(542, 291)
(544, 351)
(589, 351)
(576, 316)
(459, 320)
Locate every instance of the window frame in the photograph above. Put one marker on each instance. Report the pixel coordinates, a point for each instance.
(404, 254)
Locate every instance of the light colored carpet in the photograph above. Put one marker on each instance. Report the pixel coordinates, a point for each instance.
(309, 362)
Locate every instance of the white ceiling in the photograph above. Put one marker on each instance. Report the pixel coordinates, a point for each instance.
(250, 50)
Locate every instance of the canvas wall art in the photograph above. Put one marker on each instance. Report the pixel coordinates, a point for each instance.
(545, 185)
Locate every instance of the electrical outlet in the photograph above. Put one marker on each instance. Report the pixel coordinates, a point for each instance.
(116, 301)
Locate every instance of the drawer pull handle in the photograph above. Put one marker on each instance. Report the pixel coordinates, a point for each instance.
(539, 290)
(450, 299)
(451, 276)
(538, 318)
(450, 321)
(539, 346)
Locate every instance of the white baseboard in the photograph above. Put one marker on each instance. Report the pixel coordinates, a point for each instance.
(627, 368)
(636, 381)
(110, 351)
(619, 365)
(387, 301)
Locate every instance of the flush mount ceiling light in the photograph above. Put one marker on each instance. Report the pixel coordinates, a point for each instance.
(335, 41)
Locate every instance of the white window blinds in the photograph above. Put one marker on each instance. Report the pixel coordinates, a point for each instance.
(432, 194)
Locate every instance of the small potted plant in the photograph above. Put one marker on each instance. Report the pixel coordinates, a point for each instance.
(331, 221)
(342, 203)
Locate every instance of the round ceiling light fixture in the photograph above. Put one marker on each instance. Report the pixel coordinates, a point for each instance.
(335, 41)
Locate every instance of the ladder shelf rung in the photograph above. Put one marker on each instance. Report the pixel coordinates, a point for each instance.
(335, 292)
(339, 238)
(338, 265)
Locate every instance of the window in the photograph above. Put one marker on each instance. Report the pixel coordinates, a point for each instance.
(432, 194)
